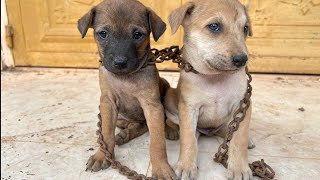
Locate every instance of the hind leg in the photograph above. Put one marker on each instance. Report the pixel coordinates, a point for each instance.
(122, 123)
(129, 131)
(172, 130)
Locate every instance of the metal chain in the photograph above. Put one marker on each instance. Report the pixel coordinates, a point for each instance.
(171, 53)
(263, 170)
(221, 156)
(259, 168)
(166, 54)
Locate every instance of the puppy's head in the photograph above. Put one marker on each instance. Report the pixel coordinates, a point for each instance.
(122, 32)
(215, 34)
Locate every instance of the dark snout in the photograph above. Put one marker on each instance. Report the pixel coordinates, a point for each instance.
(120, 62)
(240, 60)
(120, 56)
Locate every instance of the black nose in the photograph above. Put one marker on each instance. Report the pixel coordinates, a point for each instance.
(240, 60)
(120, 62)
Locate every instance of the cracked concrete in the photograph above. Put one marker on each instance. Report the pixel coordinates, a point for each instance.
(48, 124)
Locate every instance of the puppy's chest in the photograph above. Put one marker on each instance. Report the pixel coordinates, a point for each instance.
(127, 93)
(217, 102)
(129, 107)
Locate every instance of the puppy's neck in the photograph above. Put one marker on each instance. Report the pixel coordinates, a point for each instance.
(215, 78)
(191, 55)
(141, 74)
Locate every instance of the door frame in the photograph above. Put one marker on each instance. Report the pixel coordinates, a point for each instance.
(7, 61)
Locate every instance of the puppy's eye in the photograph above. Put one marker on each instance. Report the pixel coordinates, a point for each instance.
(215, 27)
(246, 30)
(103, 34)
(137, 35)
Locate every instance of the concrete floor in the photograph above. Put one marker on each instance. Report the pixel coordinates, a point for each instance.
(48, 124)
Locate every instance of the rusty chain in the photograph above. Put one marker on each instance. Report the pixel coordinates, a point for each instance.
(221, 156)
(171, 53)
(166, 54)
(262, 169)
(259, 168)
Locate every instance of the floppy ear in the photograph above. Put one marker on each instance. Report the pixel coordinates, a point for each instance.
(177, 16)
(157, 26)
(85, 22)
(246, 10)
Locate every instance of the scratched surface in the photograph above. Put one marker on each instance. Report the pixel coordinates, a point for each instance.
(48, 124)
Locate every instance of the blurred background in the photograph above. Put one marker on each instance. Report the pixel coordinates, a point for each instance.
(43, 33)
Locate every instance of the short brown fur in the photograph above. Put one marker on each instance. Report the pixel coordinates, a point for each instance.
(209, 99)
(133, 93)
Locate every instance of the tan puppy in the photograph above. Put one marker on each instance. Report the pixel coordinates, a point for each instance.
(130, 91)
(215, 45)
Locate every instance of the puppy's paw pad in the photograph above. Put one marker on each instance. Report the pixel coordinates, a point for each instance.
(245, 174)
(186, 171)
(97, 162)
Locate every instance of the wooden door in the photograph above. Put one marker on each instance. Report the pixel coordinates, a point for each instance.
(286, 34)
(45, 32)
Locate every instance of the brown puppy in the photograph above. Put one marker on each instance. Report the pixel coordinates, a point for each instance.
(129, 90)
(215, 45)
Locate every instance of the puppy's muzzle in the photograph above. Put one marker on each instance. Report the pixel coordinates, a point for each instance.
(120, 62)
(240, 60)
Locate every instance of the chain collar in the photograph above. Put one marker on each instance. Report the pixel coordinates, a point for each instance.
(173, 53)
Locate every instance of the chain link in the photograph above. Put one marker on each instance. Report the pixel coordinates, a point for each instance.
(263, 170)
(171, 53)
(166, 54)
(259, 168)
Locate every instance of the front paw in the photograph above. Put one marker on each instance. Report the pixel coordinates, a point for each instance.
(97, 162)
(186, 170)
(240, 172)
(163, 171)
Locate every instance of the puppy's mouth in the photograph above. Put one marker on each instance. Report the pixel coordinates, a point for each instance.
(220, 66)
(128, 69)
